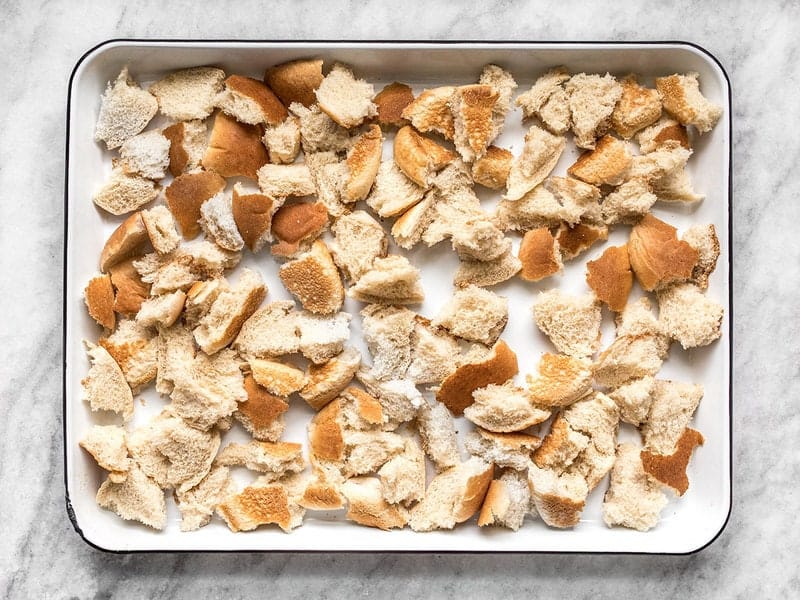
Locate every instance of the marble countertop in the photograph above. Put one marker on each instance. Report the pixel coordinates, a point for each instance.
(42, 557)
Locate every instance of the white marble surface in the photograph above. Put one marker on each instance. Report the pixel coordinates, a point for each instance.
(40, 554)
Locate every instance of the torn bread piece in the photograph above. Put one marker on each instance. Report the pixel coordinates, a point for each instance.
(682, 98)
(322, 336)
(539, 254)
(561, 381)
(419, 157)
(688, 316)
(275, 460)
(276, 377)
(326, 381)
(187, 193)
(322, 492)
(592, 99)
(363, 161)
(561, 446)
(190, 263)
(633, 399)
(261, 414)
(265, 502)
(597, 417)
(673, 406)
(127, 240)
(391, 101)
(197, 505)
(510, 450)
(123, 193)
(637, 108)
(487, 273)
(187, 145)
(387, 332)
(125, 110)
(175, 352)
(313, 279)
(657, 256)
(358, 241)
(99, 298)
(628, 357)
(507, 501)
(430, 112)
(161, 310)
(280, 181)
(145, 154)
(409, 228)
(393, 193)
(133, 348)
(670, 469)
(252, 216)
(235, 149)
(559, 498)
(559, 200)
(576, 239)
(432, 352)
(400, 399)
(160, 227)
(347, 100)
(437, 433)
(539, 156)
(188, 93)
(606, 164)
(610, 277)
(250, 101)
(318, 132)
(295, 81)
(492, 168)
(366, 505)
(476, 238)
(137, 498)
(571, 322)
(270, 331)
(548, 101)
(629, 202)
(703, 238)
(504, 84)
(473, 108)
(106, 444)
(474, 314)
(296, 226)
(403, 477)
(504, 409)
(661, 133)
(216, 219)
(391, 280)
(329, 175)
(283, 141)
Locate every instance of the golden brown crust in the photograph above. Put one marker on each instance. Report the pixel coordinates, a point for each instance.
(127, 240)
(671, 469)
(368, 407)
(477, 104)
(637, 108)
(498, 367)
(178, 157)
(418, 157)
(260, 504)
(375, 513)
(99, 298)
(277, 377)
(130, 290)
(272, 108)
(325, 434)
(391, 101)
(314, 280)
(295, 81)
(579, 238)
(252, 214)
(296, 223)
(186, 194)
(512, 440)
(363, 162)
(495, 497)
(474, 493)
(562, 380)
(491, 169)
(606, 164)
(538, 254)
(235, 149)
(561, 512)
(673, 133)
(430, 111)
(657, 256)
(610, 277)
(553, 443)
(261, 408)
(321, 496)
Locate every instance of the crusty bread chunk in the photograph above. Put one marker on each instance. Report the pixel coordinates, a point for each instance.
(198, 504)
(688, 316)
(106, 444)
(271, 331)
(628, 202)
(187, 193)
(367, 506)
(504, 84)
(393, 193)
(657, 257)
(99, 298)
(633, 498)
(129, 289)
(123, 192)
(660, 163)
(628, 357)
(295, 81)
(453, 496)
(571, 322)
(409, 228)
(160, 227)
(252, 216)
(145, 154)
(172, 453)
(507, 501)
(347, 100)
(320, 133)
(432, 353)
(181, 269)
(399, 398)
(363, 161)
(174, 352)
(274, 459)
(539, 156)
(235, 149)
(322, 336)
(329, 175)
(419, 157)
(313, 279)
(511, 450)
(188, 93)
(491, 170)
(592, 99)
(403, 477)
(387, 332)
(671, 410)
(280, 181)
(261, 414)
(161, 310)
(276, 377)
(327, 380)
(487, 273)
(548, 101)
(504, 409)
(430, 111)
(637, 108)
(682, 98)
(633, 399)
(250, 101)
(539, 254)
(125, 110)
(474, 314)
(105, 387)
(474, 238)
(392, 280)
(137, 498)
(575, 239)
(323, 492)
(559, 199)
(127, 240)
(561, 381)
(610, 277)
(607, 163)
(391, 101)
(670, 469)
(229, 311)
(187, 145)
(473, 108)
(358, 241)
(283, 141)
(703, 238)
(437, 433)
(597, 417)
(296, 226)
(265, 502)
(561, 446)
(216, 219)
(559, 498)
(664, 131)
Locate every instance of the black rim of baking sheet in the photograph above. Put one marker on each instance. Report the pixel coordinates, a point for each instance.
(353, 43)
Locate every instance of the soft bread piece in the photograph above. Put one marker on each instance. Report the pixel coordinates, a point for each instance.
(137, 498)
(671, 410)
(391, 101)
(487, 273)
(322, 493)
(313, 279)
(592, 99)
(403, 477)
(507, 501)
(296, 226)
(393, 193)
(688, 316)
(175, 353)
(539, 156)
(703, 238)
(597, 417)
(252, 215)
(358, 241)
(187, 193)
(671, 469)
(676, 186)
(123, 193)
(657, 257)
(610, 277)
(160, 227)
(571, 322)
(318, 132)
(633, 399)
(198, 504)
(276, 459)
(511, 450)
(391, 280)
(363, 161)
(99, 298)
(188, 93)
(575, 239)
(548, 101)
(283, 141)
(409, 228)
(473, 109)
(387, 332)
(432, 352)
(419, 157)
(633, 498)
(271, 331)
(280, 181)
(399, 398)
(188, 264)
(262, 413)
(607, 163)
(250, 101)
(322, 336)
(106, 444)
(216, 219)
(637, 108)
(638, 319)
(628, 357)
(235, 149)
(430, 111)
(265, 502)
(561, 446)
(539, 254)
(629, 202)
(559, 498)
(326, 381)
(492, 168)
(453, 496)
(128, 239)
(172, 453)
(456, 391)
(229, 311)
(125, 110)
(295, 81)
(161, 310)
(474, 314)
(276, 377)
(504, 409)
(666, 130)
(477, 238)
(561, 381)
(682, 98)
(329, 176)
(504, 84)
(347, 100)
(104, 386)
(187, 145)
(367, 506)
(437, 434)
(146, 154)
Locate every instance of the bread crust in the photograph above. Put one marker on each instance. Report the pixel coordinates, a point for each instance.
(273, 110)
(562, 380)
(391, 102)
(363, 161)
(430, 111)
(473, 106)
(296, 223)
(610, 277)
(295, 81)
(670, 469)
(178, 157)
(252, 214)
(491, 169)
(657, 256)
(325, 436)
(126, 240)
(261, 409)
(539, 255)
(314, 280)
(99, 297)
(606, 164)
(235, 149)
(419, 157)
(186, 194)
(130, 290)
(637, 108)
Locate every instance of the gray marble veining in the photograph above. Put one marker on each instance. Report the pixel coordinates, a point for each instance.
(42, 557)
